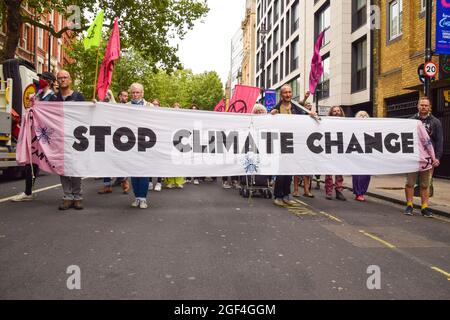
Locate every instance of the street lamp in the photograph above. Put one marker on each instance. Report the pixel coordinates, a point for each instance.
(428, 50)
(263, 34)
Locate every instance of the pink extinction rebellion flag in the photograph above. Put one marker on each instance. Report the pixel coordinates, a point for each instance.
(316, 65)
(244, 99)
(220, 106)
(83, 139)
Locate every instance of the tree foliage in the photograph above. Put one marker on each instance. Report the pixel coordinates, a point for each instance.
(181, 85)
(146, 25)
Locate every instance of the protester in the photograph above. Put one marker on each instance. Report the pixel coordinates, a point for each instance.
(195, 180)
(71, 185)
(123, 96)
(140, 184)
(45, 93)
(107, 182)
(158, 185)
(338, 184)
(177, 182)
(282, 189)
(434, 129)
(361, 183)
(306, 179)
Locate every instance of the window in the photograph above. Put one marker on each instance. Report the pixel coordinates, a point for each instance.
(295, 19)
(269, 20)
(287, 26)
(323, 23)
(281, 65)
(359, 65)
(323, 88)
(40, 41)
(286, 71)
(40, 67)
(269, 76)
(295, 52)
(282, 6)
(281, 32)
(395, 19)
(276, 13)
(275, 71)
(26, 32)
(269, 48)
(359, 16)
(259, 14)
(258, 63)
(275, 40)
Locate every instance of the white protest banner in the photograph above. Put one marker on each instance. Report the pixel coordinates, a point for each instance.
(114, 140)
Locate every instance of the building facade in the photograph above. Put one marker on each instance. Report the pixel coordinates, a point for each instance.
(284, 54)
(249, 44)
(34, 42)
(399, 51)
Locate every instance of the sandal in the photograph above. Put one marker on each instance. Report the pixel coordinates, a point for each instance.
(296, 194)
(309, 195)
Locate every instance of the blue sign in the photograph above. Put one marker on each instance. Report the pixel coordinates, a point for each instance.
(443, 27)
(270, 99)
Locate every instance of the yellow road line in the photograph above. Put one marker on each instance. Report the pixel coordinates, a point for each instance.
(442, 272)
(331, 217)
(387, 244)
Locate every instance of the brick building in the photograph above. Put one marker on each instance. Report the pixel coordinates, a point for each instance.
(399, 50)
(34, 42)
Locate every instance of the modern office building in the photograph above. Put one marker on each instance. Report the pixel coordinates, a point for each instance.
(286, 33)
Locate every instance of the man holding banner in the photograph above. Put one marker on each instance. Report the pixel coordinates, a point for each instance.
(71, 185)
(282, 189)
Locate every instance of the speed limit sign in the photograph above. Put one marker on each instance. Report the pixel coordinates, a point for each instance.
(430, 69)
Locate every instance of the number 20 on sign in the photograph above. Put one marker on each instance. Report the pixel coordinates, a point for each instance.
(430, 69)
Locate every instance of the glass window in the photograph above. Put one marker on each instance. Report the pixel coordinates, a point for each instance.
(395, 19)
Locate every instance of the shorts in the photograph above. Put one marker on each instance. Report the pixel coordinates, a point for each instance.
(425, 178)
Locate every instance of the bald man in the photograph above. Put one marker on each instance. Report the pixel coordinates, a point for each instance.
(71, 185)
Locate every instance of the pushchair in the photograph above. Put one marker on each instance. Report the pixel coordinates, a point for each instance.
(254, 185)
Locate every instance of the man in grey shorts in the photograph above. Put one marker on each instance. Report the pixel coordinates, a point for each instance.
(434, 129)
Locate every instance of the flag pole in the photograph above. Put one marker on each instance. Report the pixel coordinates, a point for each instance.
(96, 71)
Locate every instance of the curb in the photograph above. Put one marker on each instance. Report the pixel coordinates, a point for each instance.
(402, 202)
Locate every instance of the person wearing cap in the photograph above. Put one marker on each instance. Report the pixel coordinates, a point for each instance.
(45, 93)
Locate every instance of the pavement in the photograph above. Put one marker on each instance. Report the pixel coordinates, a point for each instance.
(204, 242)
(392, 188)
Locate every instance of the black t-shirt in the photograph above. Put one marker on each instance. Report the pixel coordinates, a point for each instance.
(75, 96)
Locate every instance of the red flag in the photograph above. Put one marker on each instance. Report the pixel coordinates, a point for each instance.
(316, 65)
(244, 99)
(106, 69)
(220, 106)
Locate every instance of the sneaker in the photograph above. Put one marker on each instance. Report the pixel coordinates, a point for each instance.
(340, 196)
(188, 181)
(360, 198)
(78, 205)
(179, 186)
(226, 185)
(158, 187)
(66, 205)
(289, 202)
(135, 203)
(150, 186)
(329, 197)
(170, 186)
(427, 213)
(196, 182)
(235, 184)
(209, 179)
(22, 197)
(278, 202)
(409, 211)
(105, 190)
(143, 204)
(125, 186)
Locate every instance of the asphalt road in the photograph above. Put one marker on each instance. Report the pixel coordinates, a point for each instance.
(204, 242)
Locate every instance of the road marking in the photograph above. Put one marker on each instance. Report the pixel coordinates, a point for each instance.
(387, 244)
(331, 217)
(442, 272)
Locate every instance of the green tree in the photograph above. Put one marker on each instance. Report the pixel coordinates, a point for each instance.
(145, 25)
